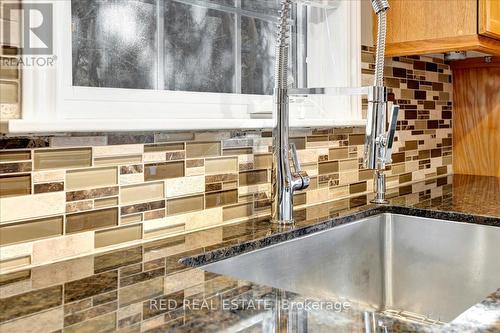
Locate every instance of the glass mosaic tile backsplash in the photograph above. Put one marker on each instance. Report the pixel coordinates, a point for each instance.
(74, 194)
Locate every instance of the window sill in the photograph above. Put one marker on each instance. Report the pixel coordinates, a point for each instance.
(21, 126)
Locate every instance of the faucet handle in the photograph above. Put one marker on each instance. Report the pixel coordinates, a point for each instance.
(295, 159)
(391, 133)
(301, 179)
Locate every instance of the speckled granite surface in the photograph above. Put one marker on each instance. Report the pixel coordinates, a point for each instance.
(146, 289)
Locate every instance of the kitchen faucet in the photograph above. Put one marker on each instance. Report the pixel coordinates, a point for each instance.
(378, 145)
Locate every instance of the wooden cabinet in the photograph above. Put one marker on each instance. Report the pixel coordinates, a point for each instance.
(476, 117)
(435, 26)
(489, 18)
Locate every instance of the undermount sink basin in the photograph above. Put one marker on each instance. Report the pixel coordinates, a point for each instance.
(433, 268)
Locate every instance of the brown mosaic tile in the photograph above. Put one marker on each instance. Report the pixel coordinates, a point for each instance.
(116, 259)
(253, 177)
(131, 218)
(213, 187)
(31, 230)
(62, 158)
(133, 279)
(203, 149)
(11, 278)
(143, 207)
(356, 139)
(164, 147)
(237, 151)
(263, 161)
(92, 220)
(221, 178)
(49, 187)
(106, 202)
(420, 94)
(246, 166)
(365, 174)
(15, 156)
(237, 211)
(153, 215)
(77, 306)
(129, 321)
(357, 188)
(104, 298)
(424, 154)
(154, 264)
(221, 198)
(29, 303)
(328, 167)
(195, 163)
(79, 206)
(131, 169)
(300, 143)
(104, 323)
(442, 170)
(90, 286)
(167, 170)
(411, 145)
(149, 311)
(14, 185)
(90, 313)
(15, 167)
(398, 158)
(338, 153)
(118, 235)
(184, 205)
(92, 194)
(175, 155)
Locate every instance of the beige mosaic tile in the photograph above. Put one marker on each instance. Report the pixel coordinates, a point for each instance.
(117, 160)
(142, 193)
(48, 176)
(177, 187)
(185, 204)
(91, 178)
(183, 280)
(62, 158)
(118, 150)
(118, 235)
(134, 178)
(67, 246)
(31, 230)
(31, 206)
(221, 165)
(58, 273)
(9, 264)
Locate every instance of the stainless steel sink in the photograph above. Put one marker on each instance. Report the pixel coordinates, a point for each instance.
(433, 268)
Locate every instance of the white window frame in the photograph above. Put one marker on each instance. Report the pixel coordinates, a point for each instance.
(51, 103)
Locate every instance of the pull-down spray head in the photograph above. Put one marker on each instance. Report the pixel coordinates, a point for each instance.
(379, 140)
(380, 5)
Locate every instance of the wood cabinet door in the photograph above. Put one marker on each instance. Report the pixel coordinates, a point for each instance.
(489, 18)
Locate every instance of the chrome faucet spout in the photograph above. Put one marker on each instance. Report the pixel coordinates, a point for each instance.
(378, 147)
(284, 181)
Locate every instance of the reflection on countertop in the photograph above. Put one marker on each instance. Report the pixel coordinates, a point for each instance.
(146, 289)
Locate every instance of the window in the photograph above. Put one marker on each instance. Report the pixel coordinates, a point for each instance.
(224, 46)
(188, 64)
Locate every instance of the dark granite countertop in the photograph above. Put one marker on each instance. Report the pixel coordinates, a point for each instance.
(151, 288)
